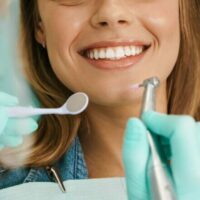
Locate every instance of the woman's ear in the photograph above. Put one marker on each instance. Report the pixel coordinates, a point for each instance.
(40, 34)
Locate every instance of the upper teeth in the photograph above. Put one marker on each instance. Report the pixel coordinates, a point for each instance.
(114, 53)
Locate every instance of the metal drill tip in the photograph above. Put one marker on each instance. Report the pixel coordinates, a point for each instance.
(153, 81)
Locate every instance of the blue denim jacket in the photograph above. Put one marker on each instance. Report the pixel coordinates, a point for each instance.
(71, 166)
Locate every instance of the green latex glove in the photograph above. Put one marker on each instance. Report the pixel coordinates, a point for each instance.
(12, 130)
(12, 78)
(183, 134)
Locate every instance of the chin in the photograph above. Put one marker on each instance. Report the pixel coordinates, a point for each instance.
(117, 97)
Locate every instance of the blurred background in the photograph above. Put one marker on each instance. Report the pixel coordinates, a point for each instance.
(12, 80)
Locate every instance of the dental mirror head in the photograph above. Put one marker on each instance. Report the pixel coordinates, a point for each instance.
(76, 103)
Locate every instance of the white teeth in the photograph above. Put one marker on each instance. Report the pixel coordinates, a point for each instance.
(91, 54)
(96, 54)
(110, 54)
(127, 51)
(133, 51)
(119, 52)
(114, 53)
(138, 50)
(102, 54)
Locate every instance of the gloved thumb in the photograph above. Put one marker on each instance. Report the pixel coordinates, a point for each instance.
(3, 119)
(135, 159)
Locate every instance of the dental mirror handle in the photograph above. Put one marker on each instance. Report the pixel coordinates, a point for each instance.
(21, 112)
(160, 184)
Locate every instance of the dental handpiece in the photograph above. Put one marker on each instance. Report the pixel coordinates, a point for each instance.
(160, 184)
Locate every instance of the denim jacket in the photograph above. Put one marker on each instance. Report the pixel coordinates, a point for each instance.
(71, 166)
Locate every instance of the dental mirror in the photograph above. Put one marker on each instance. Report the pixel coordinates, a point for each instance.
(74, 105)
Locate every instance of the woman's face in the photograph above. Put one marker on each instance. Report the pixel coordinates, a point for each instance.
(103, 47)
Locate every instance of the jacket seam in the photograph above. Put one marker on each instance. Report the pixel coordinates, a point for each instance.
(32, 176)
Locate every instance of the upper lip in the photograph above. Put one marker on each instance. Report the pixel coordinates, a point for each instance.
(106, 44)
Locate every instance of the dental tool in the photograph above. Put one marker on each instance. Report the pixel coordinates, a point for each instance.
(74, 105)
(160, 184)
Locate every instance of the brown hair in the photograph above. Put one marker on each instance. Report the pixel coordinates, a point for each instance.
(184, 81)
(56, 132)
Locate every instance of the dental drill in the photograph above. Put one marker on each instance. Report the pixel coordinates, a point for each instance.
(160, 184)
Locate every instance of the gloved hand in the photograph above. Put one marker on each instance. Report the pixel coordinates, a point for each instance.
(12, 130)
(183, 134)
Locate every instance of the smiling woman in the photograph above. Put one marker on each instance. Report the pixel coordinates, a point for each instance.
(63, 65)
(103, 48)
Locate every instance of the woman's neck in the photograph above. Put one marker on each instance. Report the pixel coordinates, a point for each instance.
(102, 145)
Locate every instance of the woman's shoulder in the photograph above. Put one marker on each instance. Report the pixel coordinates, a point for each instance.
(70, 166)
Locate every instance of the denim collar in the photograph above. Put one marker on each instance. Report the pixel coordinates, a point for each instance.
(71, 166)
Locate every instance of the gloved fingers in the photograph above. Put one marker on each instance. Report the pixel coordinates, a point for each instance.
(7, 100)
(135, 158)
(179, 129)
(164, 141)
(11, 140)
(165, 146)
(186, 160)
(3, 120)
(166, 151)
(1, 146)
(185, 146)
(21, 126)
(198, 130)
(163, 124)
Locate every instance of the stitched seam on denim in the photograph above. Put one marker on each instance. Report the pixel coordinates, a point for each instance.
(72, 164)
(78, 161)
(32, 176)
(82, 171)
(75, 159)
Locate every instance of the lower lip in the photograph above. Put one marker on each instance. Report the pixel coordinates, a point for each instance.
(120, 64)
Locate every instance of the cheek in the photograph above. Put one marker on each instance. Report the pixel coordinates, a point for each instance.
(163, 23)
(160, 18)
(61, 32)
(60, 37)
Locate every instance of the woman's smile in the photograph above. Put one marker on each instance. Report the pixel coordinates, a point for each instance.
(114, 55)
(106, 49)
(113, 44)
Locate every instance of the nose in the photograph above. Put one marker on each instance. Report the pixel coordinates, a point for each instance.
(112, 14)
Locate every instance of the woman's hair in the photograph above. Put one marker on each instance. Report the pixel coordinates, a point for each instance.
(56, 132)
